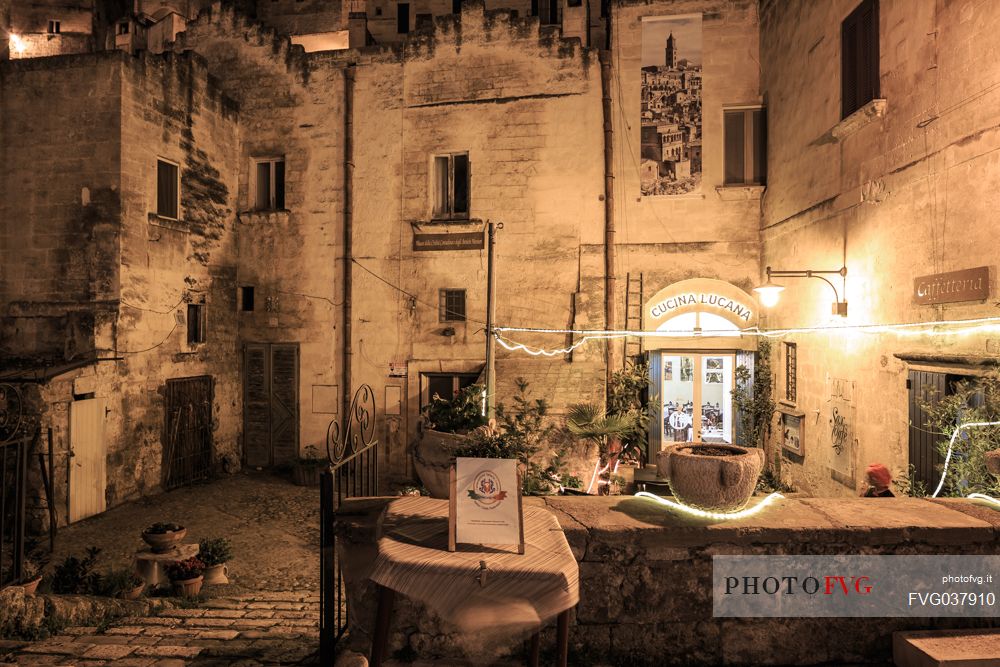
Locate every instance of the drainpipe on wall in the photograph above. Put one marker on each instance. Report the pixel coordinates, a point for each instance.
(610, 310)
(348, 257)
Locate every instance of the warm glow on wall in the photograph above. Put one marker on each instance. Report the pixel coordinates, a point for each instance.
(17, 44)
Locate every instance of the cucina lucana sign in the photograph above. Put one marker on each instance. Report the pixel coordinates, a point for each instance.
(700, 295)
(665, 307)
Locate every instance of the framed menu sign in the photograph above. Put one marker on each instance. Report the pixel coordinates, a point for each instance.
(485, 503)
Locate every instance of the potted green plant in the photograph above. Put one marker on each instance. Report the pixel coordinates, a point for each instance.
(76, 576)
(308, 468)
(215, 553)
(31, 576)
(590, 422)
(186, 575)
(162, 537)
(445, 426)
(123, 583)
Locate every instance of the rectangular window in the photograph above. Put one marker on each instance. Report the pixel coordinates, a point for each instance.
(167, 189)
(456, 6)
(195, 323)
(269, 184)
(123, 28)
(246, 298)
(745, 147)
(444, 385)
(452, 183)
(424, 21)
(791, 372)
(451, 305)
(54, 27)
(859, 54)
(403, 18)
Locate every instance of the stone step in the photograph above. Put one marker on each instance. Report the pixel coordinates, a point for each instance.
(946, 648)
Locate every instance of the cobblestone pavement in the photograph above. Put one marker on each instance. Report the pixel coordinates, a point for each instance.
(267, 615)
(275, 628)
(272, 523)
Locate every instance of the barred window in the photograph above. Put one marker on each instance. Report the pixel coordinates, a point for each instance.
(791, 372)
(451, 305)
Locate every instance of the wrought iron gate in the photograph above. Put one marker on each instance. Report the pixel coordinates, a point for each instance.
(187, 451)
(353, 455)
(14, 445)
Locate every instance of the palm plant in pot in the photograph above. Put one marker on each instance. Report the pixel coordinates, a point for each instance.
(162, 536)
(591, 422)
(186, 575)
(215, 553)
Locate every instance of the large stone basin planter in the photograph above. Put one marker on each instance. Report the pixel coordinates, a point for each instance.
(433, 455)
(993, 461)
(720, 478)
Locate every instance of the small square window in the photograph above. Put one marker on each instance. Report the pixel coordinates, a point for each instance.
(123, 28)
(745, 132)
(54, 27)
(452, 184)
(451, 305)
(195, 323)
(167, 189)
(268, 184)
(246, 298)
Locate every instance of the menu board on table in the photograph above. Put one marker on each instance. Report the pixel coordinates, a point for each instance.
(485, 503)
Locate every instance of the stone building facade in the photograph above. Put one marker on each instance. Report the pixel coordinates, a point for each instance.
(337, 221)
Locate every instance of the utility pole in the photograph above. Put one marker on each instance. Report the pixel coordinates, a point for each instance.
(490, 308)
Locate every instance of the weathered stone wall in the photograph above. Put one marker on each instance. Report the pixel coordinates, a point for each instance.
(713, 234)
(30, 20)
(910, 193)
(526, 107)
(290, 107)
(94, 275)
(646, 581)
(296, 17)
(59, 205)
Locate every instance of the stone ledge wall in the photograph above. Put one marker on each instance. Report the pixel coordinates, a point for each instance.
(646, 575)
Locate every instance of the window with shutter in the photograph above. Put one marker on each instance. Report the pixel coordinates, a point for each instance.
(859, 58)
(745, 152)
(451, 186)
(267, 189)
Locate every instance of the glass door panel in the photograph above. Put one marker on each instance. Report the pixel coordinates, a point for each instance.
(679, 388)
(716, 398)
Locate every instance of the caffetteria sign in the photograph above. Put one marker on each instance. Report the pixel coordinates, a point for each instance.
(701, 295)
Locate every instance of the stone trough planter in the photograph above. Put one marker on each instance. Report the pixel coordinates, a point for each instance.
(719, 478)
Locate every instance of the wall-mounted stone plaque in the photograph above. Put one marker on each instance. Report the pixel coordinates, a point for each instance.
(452, 241)
(965, 285)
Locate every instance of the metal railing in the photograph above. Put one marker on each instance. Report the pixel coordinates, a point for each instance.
(353, 472)
(14, 449)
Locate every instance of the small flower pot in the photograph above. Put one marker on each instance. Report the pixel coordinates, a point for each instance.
(161, 543)
(31, 586)
(188, 587)
(217, 574)
(134, 593)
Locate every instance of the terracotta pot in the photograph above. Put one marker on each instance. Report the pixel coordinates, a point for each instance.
(432, 459)
(217, 574)
(31, 586)
(134, 593)
(189, 587)
(993, 461)
(720, 483)
(161, 543)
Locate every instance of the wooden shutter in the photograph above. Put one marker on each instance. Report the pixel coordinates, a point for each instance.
(735, 140)
(759, 124)
(859, 58)
(256, 405)
(462, 173)
(284, 402)
(279, 185)
(924, 387)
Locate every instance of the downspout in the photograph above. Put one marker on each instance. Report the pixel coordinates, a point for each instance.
(610, 310)
(348, 257)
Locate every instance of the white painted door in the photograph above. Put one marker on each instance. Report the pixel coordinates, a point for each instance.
(87, 471)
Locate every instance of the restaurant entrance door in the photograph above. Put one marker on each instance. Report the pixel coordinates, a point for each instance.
(696, 394)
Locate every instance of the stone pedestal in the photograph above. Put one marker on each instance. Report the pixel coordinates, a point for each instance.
(151, 566)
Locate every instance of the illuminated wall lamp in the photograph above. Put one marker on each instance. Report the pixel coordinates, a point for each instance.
(770, 290)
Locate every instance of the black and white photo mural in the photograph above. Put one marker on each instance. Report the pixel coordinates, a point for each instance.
(671, 105)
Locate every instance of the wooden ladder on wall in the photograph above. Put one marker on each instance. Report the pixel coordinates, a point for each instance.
(633, 315)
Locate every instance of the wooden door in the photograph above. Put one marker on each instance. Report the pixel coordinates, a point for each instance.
(271, 403)
(187, 451)
(88, 463)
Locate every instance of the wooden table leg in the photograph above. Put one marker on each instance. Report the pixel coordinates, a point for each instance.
(562, 639)
(533, 649)
(383, 616)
